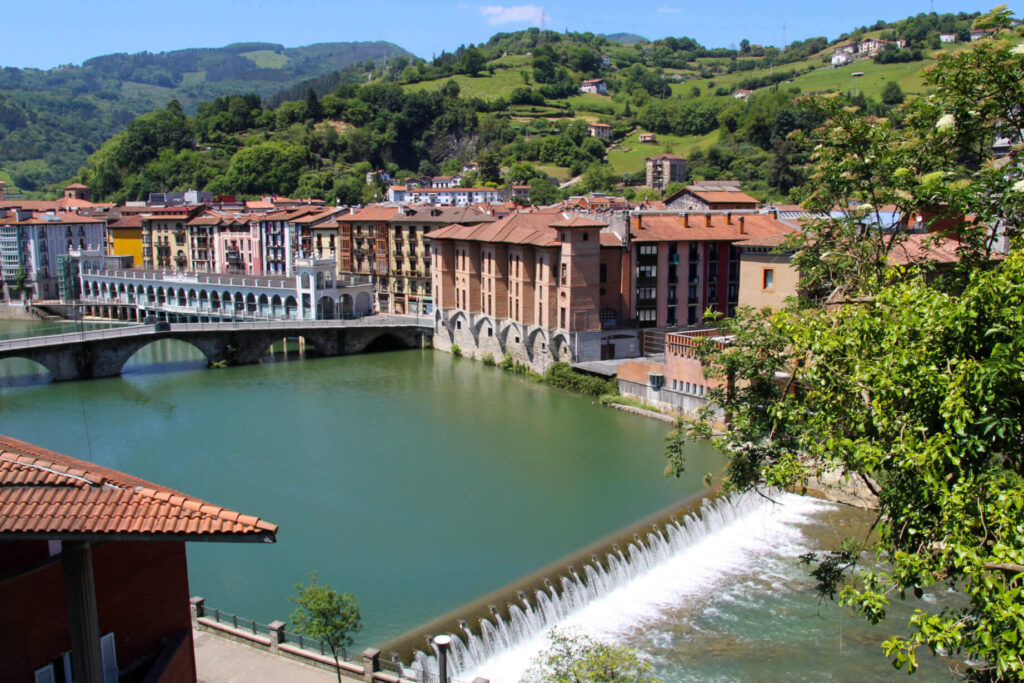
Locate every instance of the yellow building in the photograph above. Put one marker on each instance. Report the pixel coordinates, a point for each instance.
(124, 238)
(165, 242)
(767, 276)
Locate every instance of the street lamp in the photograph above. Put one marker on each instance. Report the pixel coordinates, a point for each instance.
(442, 643)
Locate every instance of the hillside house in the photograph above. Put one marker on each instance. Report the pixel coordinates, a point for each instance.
(600, 130)
(947, 37)
(594, 86)
(647, 138)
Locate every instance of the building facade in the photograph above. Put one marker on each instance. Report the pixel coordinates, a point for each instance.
(527, 286)
(712, 195)
(664, 169)
(32, 246)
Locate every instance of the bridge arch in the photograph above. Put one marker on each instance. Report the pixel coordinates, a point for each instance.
(209, 350)
(559, 347)
(26, 369)
(384, 341)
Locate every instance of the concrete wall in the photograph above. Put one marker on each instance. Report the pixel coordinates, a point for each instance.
(752, 291)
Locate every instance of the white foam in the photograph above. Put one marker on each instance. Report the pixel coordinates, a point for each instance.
(691, 572)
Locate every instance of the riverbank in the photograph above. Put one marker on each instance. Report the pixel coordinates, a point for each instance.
(13, 312)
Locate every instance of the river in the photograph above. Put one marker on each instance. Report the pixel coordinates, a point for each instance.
(420, 482)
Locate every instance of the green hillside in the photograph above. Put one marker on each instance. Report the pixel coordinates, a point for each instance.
(51, 120)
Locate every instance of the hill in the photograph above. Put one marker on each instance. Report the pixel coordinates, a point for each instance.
(51, 120)
(514, 103)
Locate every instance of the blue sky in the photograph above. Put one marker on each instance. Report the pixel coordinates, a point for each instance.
(46, 34)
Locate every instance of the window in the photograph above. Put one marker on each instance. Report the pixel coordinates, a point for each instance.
(564, 276)
(604, 272)
(586, 237)
(562, 317)
(768, 279)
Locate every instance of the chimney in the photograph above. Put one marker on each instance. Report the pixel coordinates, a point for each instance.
(774, 214)
(686, 220)
(743, 230)
(637, 222)
(707, 220)
(728, 218)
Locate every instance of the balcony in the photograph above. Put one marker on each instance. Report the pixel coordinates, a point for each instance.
(647, 282)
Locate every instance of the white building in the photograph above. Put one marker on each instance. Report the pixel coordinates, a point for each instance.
(594, 86)
(840, 58)
(444, 196)
(32, 244)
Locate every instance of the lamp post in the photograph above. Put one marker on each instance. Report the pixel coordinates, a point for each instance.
(442, 643)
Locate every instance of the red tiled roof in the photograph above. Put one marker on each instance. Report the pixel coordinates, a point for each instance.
(717, 196)
(58, 218)
(372, 213)
(578, 222)
(610, 239)
(696, 228)
(44, 494)
(775, 240)
(516, 228)
(924, 248)
(132, 221)
(76, 186)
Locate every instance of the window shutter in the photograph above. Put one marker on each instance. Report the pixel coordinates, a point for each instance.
(45, 675)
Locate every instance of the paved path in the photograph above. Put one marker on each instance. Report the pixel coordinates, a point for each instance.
(221, 660)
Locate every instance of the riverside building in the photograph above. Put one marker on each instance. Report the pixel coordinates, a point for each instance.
(528, 285)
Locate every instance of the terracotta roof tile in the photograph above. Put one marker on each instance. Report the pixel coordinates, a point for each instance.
(43, 493)
(706, 227)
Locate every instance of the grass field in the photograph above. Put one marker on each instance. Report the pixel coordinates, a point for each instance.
(560, 172)
(630, 154)
(484, 86)
(191, 78)
(266, 59)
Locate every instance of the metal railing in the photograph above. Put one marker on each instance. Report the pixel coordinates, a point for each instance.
(236, 622)
(319, 647)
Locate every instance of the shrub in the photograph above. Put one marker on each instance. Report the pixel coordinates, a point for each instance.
(506, 363)
(488, 359)
(562, 375)
(456, 351)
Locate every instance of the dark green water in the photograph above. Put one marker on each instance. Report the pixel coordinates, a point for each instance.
(417, 481)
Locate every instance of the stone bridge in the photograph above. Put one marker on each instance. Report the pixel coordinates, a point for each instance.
(103, 353)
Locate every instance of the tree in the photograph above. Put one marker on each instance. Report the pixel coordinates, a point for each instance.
(576, 658)
(472, 61)
(903, 380)
(542, 192)
(313, 110)
(892, 93)
(490, 167)
(326, 615)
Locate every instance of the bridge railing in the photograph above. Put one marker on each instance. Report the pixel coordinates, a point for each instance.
(141, 330)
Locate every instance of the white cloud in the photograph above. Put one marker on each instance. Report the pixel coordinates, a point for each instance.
(499, 14)
(669, 10)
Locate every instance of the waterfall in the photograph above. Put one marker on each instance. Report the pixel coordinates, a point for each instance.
(581, 586)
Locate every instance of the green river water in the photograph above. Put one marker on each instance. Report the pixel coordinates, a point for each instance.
(420, 482)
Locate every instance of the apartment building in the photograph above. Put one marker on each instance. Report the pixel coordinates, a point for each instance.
(527, 285)
(363, 247)
(411, 289)
(32, 246)
(684, 264)
(663, 169)
(165, 238)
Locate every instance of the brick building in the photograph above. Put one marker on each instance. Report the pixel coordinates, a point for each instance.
(93, 572)
(663, 169)
(684, 264)
(527, 285)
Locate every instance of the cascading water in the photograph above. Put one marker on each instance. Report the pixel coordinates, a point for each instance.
(572, 593)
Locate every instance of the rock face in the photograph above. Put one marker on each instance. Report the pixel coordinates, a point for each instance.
(843, 487)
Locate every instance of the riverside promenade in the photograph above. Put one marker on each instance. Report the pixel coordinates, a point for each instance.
(222, 660)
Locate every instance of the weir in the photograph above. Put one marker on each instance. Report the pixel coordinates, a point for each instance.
(522, 610)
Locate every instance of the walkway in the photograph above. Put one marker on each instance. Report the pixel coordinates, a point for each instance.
(384, 320)
(222, 660)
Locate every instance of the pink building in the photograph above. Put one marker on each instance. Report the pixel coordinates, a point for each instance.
(238, 246)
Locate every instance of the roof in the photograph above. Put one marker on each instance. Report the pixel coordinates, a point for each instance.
(442, 215)
(599, 125)
(132, 221)
(610, 239)
(578, 222)
(372, 213)
(76, 186)
(924, 247)
(715, 195)
(665, 156)
(706, 227)
(58, 218)
(259, 204)
(594, 80)
(44, 494)
(532, 229)
(775, 240)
